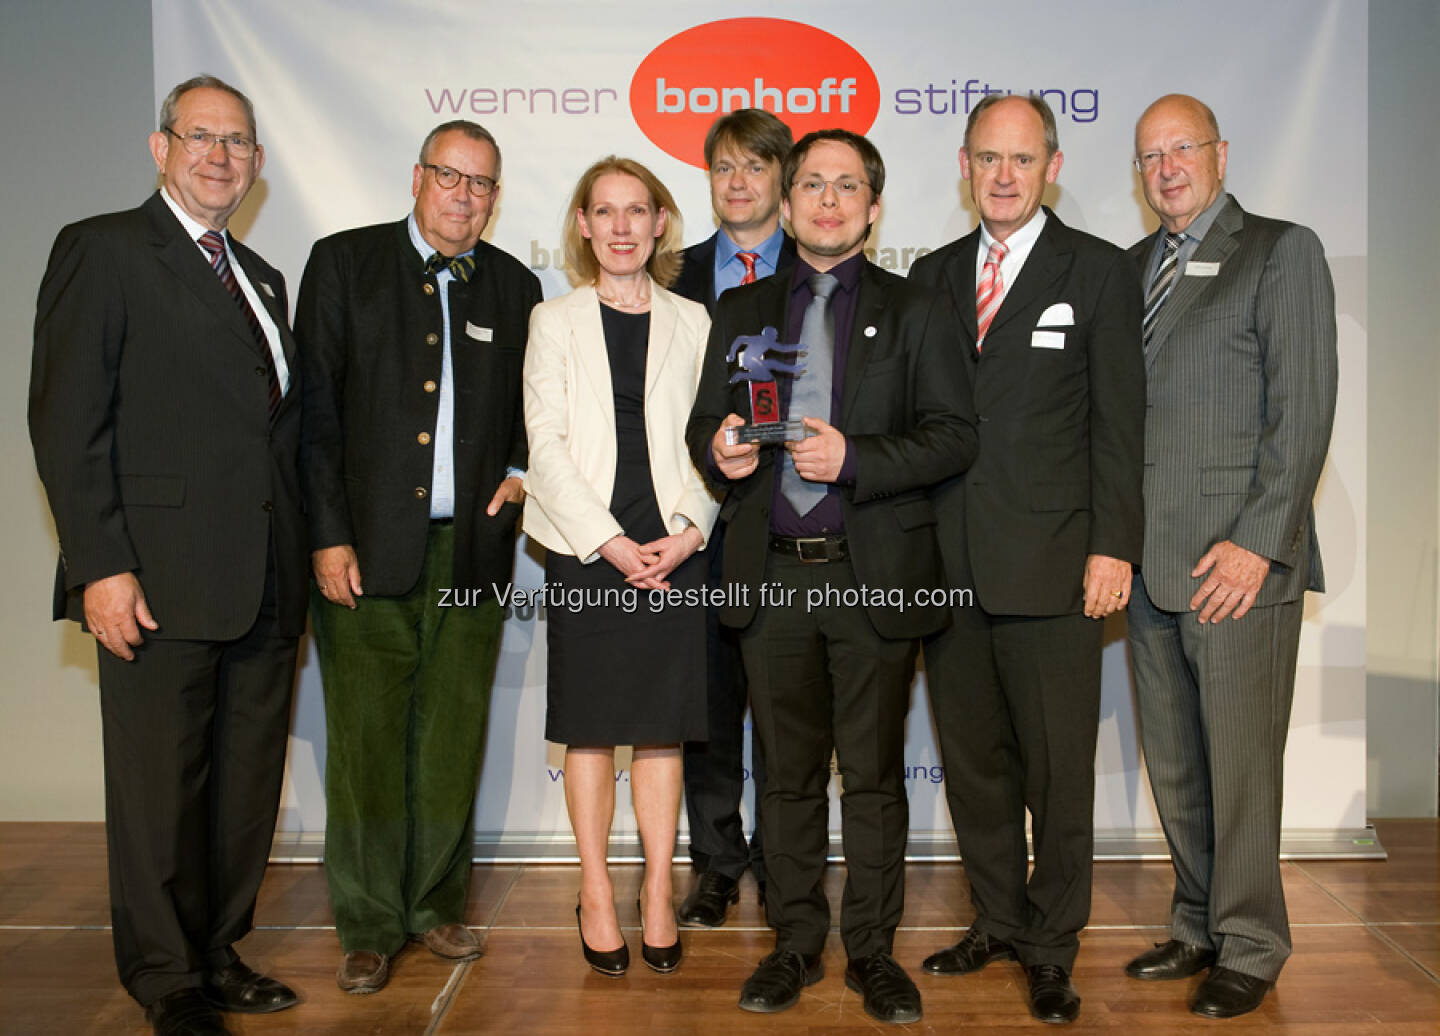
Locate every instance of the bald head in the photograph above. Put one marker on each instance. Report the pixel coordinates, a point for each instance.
(1181, 104)
(1181, 159)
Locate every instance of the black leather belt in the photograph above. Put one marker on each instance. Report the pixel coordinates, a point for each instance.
(815, 550)
(441, 522)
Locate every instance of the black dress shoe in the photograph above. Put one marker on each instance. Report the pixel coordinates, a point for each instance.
(705, 905)
(1052, 997)
(608, 962)
(663, 959)
(969, 954)
(777, 982)
(185, 1012)
(1226, 993)
(889, 994)
(1173, 959)
(236, 987)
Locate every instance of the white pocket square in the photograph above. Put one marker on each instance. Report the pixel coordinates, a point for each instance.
(1058, 315)
(480, 334)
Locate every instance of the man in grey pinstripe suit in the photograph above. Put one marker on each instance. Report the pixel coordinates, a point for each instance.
(1240, 374)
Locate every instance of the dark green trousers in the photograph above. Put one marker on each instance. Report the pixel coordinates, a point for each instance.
(407, 690)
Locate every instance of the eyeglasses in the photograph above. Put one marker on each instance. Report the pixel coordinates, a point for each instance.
(1180, 154)
(480, 186)
(846, 186)
(198, 142)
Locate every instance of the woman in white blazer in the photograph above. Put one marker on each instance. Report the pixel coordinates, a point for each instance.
(610, 375)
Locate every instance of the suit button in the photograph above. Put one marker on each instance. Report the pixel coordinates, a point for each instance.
(266, 505)
(432, 338)
(423, 438)
(260, 371)
(420, 493)
(429, 386)
(429, 289)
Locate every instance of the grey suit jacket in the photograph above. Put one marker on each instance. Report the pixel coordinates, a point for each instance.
(1240, 395)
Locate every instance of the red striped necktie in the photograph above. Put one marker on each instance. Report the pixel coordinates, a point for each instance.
(990, 291)
(214, 244)
(748, 258)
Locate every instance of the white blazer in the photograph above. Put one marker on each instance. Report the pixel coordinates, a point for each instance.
(570, 421)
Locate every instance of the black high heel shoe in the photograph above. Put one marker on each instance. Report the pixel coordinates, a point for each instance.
(612, 963)
(663, 959)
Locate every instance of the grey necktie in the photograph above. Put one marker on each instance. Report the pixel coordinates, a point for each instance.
(1162, 282)
(810, 396)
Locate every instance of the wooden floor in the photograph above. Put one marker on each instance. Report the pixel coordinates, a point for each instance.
(1366, 933)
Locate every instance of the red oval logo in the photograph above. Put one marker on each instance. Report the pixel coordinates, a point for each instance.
(809, 78)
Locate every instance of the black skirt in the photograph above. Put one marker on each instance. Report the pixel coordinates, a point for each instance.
(624, 667)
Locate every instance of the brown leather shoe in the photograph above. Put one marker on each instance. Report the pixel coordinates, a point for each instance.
(363, 971)
(453, 942)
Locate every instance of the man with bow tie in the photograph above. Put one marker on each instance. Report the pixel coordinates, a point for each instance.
(412, 451)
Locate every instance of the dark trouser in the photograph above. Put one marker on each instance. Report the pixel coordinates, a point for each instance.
(1214, 716)
(1017, 708)
(715, 769)
(407, 692)
(823, 680)
(195, 738)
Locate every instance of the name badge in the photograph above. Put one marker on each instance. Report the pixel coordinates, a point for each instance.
(1194, 269)
(1047, 339)
(480, 334)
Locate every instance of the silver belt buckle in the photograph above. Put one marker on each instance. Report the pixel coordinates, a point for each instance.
(818, 556)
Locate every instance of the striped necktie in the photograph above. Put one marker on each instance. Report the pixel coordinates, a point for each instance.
(748, 258)
(990, 292)
(214, 245)
(1162, 282)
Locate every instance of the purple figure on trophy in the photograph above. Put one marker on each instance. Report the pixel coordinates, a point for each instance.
(757, 359)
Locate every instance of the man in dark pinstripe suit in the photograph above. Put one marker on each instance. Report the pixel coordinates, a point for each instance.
(1240, 372)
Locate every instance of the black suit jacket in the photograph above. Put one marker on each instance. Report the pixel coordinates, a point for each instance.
(905, 409)
(149, 414)
(1060, 467)
(696, 280)
(369, 321)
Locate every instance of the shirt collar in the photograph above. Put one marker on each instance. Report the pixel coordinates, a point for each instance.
(1201, 224)
(192, 227)
(418, 240)
(769, 249)
(847, 273)
(1020, 240)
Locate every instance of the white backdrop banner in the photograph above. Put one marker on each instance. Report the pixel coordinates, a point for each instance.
(346, 89)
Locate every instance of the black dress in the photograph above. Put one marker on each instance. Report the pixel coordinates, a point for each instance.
(620, 670)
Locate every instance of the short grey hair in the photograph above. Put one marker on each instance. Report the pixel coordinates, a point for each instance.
(204, 82)
(473, 130)
(1042, 109)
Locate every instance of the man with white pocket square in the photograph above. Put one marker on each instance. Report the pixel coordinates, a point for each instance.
(1044, 527)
